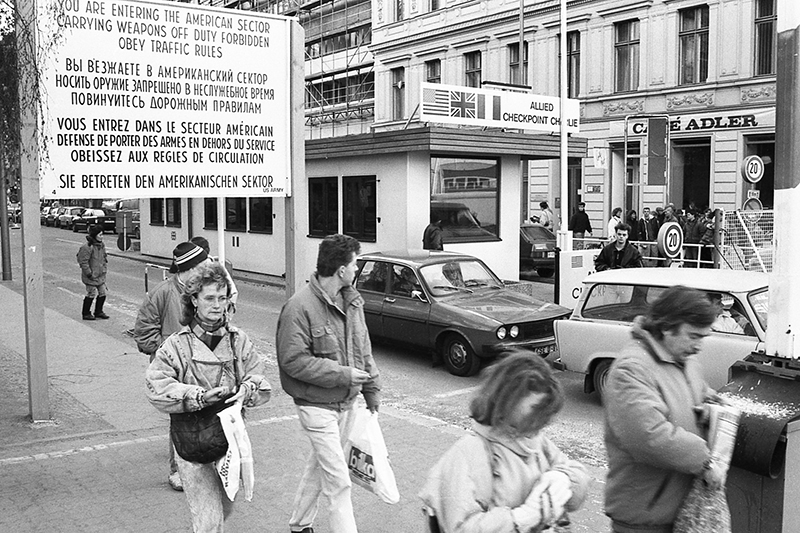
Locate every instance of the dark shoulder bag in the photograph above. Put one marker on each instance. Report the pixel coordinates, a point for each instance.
(198, 435)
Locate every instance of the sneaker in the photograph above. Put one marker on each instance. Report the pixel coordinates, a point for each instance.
(102, 315)
(88, 317)
(175, 481)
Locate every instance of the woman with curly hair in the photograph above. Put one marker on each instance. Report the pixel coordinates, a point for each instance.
(206, 362)
(506, 476)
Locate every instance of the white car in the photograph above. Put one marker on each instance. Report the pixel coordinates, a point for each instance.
(600, 324)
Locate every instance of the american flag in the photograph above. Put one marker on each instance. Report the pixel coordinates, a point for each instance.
(436, 102)
(462, 105)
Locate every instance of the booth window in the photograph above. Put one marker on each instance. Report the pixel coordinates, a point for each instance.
(209, 213)
(766, 38)
(236, 214)
(157, 211)
(694, 45)
(359, 207)
(261, 215)
(626, 54)
(465, 196)
(173, 206)
(323, 206)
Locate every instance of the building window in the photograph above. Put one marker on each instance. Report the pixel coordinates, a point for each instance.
(465, 196)
(339, 41)
(573, 64)
(173, 206)
(327, 91)
(157, 211)
(626, 52)
(436, 4)
(399, 9)
(359, 207)
(398, 93)
(261, 215)
(766, 41)
(472, 69)
(433, 71)
(694, 45)
(513, 64)
(236, 214)
(323, 200)
(209, 213)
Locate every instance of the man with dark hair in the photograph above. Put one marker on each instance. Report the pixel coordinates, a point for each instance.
(432, 236)
(655, 404)
(580, 225)
(325, 360)
(620, 253)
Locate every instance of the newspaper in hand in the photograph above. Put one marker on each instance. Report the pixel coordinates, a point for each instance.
(723, 426)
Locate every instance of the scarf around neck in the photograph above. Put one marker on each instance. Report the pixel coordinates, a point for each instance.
(209, 334)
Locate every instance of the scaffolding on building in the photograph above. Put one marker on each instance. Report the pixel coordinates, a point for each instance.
(340, 73)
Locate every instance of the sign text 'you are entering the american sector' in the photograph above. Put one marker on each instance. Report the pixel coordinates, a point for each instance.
(454, 104)
(155, 99)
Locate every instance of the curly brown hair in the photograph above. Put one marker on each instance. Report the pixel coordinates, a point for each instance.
(207, 273)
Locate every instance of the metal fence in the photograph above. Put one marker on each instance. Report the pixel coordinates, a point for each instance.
(746, 240)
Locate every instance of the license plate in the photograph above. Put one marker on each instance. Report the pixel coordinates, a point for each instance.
(544, 350)
(551, 255)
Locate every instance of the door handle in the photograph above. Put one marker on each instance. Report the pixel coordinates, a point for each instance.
(389, 300)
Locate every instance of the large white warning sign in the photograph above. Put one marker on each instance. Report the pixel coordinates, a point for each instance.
(156, 99)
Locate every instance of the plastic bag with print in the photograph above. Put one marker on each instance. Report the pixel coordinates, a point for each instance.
(368, 459)
(238, 461)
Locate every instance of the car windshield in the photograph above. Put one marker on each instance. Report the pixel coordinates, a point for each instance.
(456, 277)
(537, 233)
(759, 300)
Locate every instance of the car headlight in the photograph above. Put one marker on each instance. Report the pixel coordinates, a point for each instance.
(501, 332)
(514, 332)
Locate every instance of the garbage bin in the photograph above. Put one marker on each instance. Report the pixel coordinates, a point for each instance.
(764, 479)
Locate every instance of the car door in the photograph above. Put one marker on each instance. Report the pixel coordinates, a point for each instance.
(371, 283)
(406, 309)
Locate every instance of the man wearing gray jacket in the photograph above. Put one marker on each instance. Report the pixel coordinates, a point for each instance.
(325, 361)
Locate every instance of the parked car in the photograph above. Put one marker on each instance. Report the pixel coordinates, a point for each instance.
(600, 324)
(65, 219)
(14, 211)
(452, 304)
(52, 214)
(90, 217)
(43, 214)
(537, 249)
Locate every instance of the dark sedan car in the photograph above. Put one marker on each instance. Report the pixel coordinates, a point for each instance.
(452, 304)
(537, 249)
(90, 217)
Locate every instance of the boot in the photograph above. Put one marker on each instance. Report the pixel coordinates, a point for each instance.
(98, 308)
(87, 308)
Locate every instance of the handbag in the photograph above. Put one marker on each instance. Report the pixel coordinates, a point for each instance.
(368, 459)
(198, 436)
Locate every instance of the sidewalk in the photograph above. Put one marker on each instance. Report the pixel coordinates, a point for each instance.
(101, 464)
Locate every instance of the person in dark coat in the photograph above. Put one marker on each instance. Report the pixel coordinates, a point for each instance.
(93, 261)
(620, 253)
(432, 237)
(580, 225)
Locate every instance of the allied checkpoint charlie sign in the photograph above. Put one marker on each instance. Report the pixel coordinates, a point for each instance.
(156, 99)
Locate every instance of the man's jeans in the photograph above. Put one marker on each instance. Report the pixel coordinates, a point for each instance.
(326, 470)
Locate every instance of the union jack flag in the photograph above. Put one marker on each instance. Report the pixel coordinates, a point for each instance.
(462, 105)
(436, 102)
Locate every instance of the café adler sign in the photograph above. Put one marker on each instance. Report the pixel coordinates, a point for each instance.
(738, 119)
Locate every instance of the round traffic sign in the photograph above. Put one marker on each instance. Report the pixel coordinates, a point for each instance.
(670, 240)
(752, 169)
(751, 209)
(123, 242)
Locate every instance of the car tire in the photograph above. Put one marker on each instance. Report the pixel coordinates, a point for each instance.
(545, 272)
(74, 228)
(600, 376)
(459, 357)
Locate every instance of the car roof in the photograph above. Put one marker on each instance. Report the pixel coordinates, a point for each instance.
(416, 257)
(708, 279)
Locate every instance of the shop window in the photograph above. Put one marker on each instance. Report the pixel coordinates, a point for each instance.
(261, 215)
(398, 93)
(433, 71)
(323, 198)
(472, 69)
(766, 40)
(209, 213)
(235, 214)
(465, 196)
(514, 75)
(157, 211)
(693, 45)
(626, 53)
(359, 207)
(573, 64)
(173, 206)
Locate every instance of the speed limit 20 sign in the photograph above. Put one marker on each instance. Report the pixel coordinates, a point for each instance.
(752, 169)
(670, 240)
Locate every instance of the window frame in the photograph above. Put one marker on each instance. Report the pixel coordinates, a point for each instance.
(157, 212)
(268, 215)
(513, 63)
(369, 213)
(434, 65)
(398, 93)
(769, 23)
(172, 208)
(693, 40)
(573, 64)
(473, 64)
(631, 45)
(239, 206)
(210, 213)
(330, 227)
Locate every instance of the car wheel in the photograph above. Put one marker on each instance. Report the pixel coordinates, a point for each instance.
(459, 357)
(74, 228)
(600, 376)
(545, 272)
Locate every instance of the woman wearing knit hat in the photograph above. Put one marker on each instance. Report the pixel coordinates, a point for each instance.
(93, 261)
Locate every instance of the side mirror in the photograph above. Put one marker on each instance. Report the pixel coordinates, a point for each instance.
(419, 296)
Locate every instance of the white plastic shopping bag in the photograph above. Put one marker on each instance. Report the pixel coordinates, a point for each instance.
(368, 459)
(238, 461)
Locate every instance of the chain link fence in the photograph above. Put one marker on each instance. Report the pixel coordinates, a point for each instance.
(746, 240)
